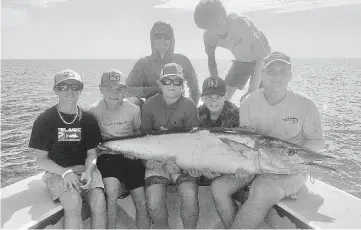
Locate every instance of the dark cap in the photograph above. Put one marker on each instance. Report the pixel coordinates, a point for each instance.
(276, 56)
(171, 69)
(214, 85)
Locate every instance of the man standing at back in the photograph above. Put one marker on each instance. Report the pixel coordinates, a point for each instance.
(237, 34)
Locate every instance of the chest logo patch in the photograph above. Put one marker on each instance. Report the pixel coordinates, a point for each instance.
(70, 134)
(290, 119)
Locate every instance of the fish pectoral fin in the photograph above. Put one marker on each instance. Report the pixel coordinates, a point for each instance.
(235, 145)
(321, 166)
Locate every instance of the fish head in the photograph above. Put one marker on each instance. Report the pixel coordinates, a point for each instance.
(282, 156)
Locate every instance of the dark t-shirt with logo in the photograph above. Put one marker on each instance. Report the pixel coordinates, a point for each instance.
(66, 144)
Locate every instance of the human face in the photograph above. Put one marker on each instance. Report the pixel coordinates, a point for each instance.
(162, 42)
(113, 93)
(171, 90)
(276, 76)
(68, 91)
(214, 102)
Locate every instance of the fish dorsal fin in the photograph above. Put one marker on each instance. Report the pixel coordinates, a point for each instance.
(235, 145)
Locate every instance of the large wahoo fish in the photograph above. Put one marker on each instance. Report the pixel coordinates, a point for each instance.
(220, 150)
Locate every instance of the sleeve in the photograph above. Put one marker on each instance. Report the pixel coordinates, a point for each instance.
(136, 121)
(146, 124)
(191, 118)
(192, 81)
(135, 77)
(92, 134)
(244, 115)
(312, 126)
(39, 138)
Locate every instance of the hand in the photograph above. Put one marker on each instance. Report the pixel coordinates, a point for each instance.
(207, 173)
(244, 96)
(71, 181)
(172, 166)
(243, 175)
(194, 172)
(86, 180)
(151, 164)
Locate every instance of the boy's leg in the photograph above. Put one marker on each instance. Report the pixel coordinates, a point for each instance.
(72, 204)
(223, 188)
(134, 173)
(188, 192)
(260, 202)
(71, 201)
(156, 196)
(96, 200)
(110, 167)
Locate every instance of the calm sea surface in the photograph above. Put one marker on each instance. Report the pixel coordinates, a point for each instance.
(334, 85)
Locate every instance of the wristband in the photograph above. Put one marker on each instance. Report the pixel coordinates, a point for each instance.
(66, 172)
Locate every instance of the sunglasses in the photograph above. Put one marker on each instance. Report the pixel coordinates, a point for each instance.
(66, 87)
(175, 82)
(160, 36)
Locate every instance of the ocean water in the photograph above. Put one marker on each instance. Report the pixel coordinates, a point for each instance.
(333, 84)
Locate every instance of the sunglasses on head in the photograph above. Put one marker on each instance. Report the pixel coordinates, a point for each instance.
(160, 36)
(66, 87)
(175, 82)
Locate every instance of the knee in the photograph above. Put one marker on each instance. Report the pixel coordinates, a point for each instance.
(73, 203)
(220, 189)
(137, 101)
(97, 202)
(265, 191)
(111, 189)
(188, 194)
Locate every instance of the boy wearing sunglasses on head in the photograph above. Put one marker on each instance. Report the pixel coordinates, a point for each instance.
(170, 110)
(65, 138)
(118, 118)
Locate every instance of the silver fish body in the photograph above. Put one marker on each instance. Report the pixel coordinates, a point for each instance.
(220, 150)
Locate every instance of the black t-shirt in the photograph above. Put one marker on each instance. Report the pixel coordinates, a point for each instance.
(66, 145)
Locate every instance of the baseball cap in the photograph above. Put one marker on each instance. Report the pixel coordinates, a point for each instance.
(66, 74)
(113, 76)
(214, 85)
(171, 69)
(276, 56)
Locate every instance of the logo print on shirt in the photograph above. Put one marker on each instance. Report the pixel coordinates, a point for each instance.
(70, 134)
(291, 119)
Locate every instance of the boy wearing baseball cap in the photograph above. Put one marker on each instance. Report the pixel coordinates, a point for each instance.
(118, 118)
(170, 110)
(279, 112)
(65, 138)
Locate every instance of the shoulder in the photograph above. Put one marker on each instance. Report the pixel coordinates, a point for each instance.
(46, 115)
(240, 21)
(188, 103)
(182, 60)
(210, 38)
(87, 116)
(254, 97)
(151, 102)
(301, 99)
(131, 108)
(231, 107)
(92, 108)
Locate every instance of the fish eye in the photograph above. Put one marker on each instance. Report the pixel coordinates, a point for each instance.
(291, 152)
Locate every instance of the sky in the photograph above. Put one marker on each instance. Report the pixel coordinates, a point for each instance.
(107, 29)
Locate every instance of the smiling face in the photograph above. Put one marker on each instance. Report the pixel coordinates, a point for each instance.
(112, 93)
(276, 76)
(214, 102)
(171, 90)
(68, 91)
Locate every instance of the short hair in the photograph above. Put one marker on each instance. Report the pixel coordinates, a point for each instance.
(207, 12)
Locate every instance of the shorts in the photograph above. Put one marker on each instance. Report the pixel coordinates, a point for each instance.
(239, 73)
(161, 176)
(290, 184)
(55, 182)
(128, 171)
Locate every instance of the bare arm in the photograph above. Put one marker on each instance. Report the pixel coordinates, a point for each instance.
(312, 129)
(256, 77)
(45, 163)
(212, 64)
(90, 162)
